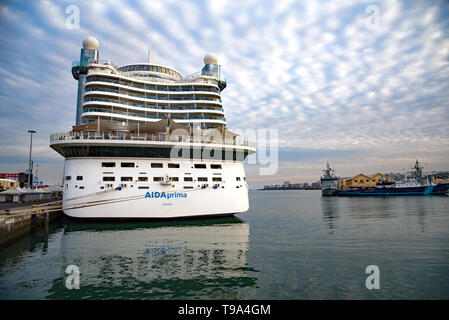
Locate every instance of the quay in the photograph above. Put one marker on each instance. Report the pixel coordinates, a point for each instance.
(19, 219)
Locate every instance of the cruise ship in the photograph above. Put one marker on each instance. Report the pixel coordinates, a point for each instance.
(150, 143)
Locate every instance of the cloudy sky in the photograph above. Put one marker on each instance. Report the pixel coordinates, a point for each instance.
(362, 84)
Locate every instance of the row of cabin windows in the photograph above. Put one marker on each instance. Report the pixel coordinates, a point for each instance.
(158, 165)
(202, 179)
(78, 178)
(147, 187)
(144, 179)
(194, 153)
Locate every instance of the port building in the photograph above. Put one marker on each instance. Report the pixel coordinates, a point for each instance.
(363, 180)
(5, 184)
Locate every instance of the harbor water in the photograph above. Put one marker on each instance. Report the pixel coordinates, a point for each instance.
(289, 245)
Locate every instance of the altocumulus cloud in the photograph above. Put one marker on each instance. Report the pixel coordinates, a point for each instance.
(336, 87)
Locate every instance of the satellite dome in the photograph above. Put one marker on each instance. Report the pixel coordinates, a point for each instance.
(90, 43)
(210, 58)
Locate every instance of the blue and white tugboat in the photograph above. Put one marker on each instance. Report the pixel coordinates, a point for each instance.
(415, 185)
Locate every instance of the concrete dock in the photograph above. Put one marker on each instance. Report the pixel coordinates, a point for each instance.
(19, 219)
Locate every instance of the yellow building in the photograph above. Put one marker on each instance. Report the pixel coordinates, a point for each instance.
(363, 180)
(5, 184)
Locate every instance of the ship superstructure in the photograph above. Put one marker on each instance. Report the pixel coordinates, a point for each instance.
(329, 182)
(150, 143)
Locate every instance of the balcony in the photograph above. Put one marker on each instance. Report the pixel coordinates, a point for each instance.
(149, 137)
(155, 116)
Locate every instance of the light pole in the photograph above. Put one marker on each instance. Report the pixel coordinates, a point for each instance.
(29, 161)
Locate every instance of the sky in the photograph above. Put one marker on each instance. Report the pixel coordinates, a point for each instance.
(361, 84)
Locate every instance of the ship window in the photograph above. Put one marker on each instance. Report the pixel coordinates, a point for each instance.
(174, 179)
(126, 179)
(244, 178)
(188, 187)
(81, 187)
(173, 165)
(215, 166)
(188, 179)
(108, 178)
(141, 152)
(127, 164)
(157, 178)
(237, 178)
(216, 179)
(200, 166)
(142, 179)
(202, 178)
(157, 165)
(108, 164)
(68, 178)
(79, 178)
(143, 187)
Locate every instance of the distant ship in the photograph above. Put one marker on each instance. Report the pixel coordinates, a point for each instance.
(329, 182)
(415, 184)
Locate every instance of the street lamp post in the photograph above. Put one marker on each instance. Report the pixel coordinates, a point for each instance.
(29, 161)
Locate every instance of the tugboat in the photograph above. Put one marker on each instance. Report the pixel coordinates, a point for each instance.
(329, 182)
(415, 185)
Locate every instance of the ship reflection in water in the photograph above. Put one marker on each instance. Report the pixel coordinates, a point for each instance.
(142, 260)
(330, 212)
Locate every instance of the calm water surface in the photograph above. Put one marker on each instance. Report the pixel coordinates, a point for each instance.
(289, 245)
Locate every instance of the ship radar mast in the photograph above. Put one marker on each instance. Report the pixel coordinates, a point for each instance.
(329, 173)
(418, 171)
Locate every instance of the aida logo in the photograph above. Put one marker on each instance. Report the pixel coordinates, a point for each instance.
(165, 195)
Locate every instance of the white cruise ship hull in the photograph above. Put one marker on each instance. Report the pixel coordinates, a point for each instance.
(87, 195)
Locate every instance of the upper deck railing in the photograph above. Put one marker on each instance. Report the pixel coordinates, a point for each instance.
(155, 78)
(78, 63)
(161, 137)
(199, 74)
